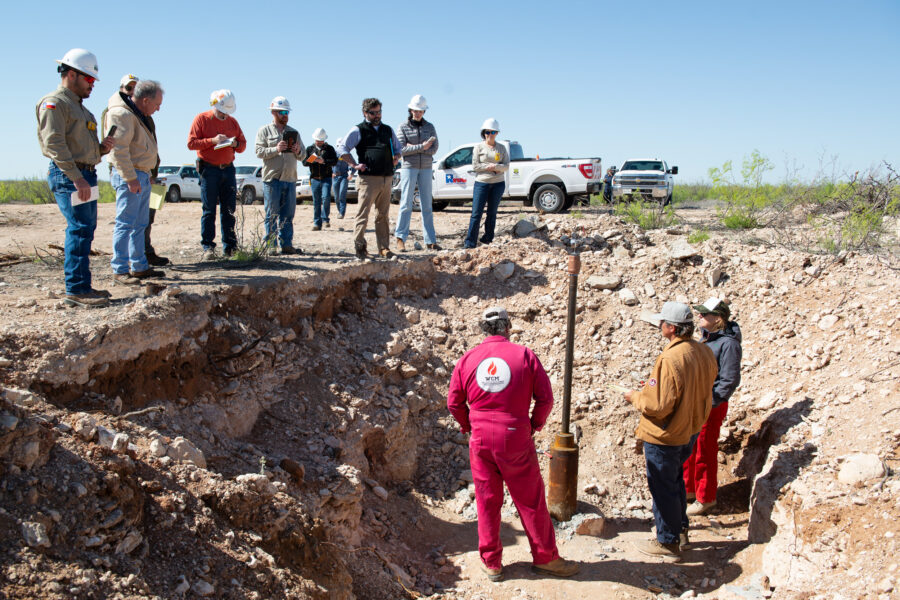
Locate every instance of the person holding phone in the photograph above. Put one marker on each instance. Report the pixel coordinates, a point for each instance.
(419, 140)
(279, 146)
(67, 133)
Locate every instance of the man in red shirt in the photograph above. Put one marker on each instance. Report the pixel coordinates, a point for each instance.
(216, 136)
(490, 395)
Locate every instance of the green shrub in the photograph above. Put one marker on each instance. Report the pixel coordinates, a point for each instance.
(740, 221)
(36, 190)
(743, 203)
(697, 237)
(691, 193)
(646, 214)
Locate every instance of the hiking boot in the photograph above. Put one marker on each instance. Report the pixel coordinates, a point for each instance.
(156, 260)
(700, 508)
(317, 228)
(691, 496)
(210, 254)
(667, 552)
(290, 250)
(433, 247)
(328, 224)
(101, 293)
(401, 245)
(229, 252)
(126, 279)
(386, 253)
(558, 568)
(148, 273)
(683, 542)
(89, 300)
(492, 574)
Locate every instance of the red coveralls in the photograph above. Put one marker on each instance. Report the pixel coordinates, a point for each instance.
(490, 395)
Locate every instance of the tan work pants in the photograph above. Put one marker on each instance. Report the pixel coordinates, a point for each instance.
(373, 190)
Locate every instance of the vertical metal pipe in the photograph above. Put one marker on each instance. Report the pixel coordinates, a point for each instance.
(574, 268)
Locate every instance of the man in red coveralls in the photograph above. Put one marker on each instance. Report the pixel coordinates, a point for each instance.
(490, 395)
(216, 136)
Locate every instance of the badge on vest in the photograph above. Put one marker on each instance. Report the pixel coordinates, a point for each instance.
(92, 126)
(651, 383)
(493, 375)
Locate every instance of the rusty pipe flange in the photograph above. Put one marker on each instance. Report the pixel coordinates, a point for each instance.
(562, 493)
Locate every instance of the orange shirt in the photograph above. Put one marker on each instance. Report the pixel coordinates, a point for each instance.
(205, 127)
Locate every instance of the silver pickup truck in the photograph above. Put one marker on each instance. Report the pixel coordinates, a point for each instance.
(649, 178)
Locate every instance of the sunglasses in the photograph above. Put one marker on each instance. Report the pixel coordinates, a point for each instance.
(374, 112)
(491, 132)
(88, 78)
(283, 113)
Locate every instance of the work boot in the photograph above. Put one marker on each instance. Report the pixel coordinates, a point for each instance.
(386, 253)
(89, 300)
(401, 245)
(327, 224)
(126, 279)
(683, 542)
(101, 293)
(691, 496)
(148, 273)
(700, 508)
(667, 552)
(492, 574)
(317, 228)
(291, 250)
(210, 254)
(156, 260)
(361, 254)
(433, 247)
(558, 568)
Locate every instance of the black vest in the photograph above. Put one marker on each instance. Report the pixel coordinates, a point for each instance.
(376, 149)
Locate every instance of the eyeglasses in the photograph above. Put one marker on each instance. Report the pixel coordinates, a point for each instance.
(283, 113)
(491, 132)
(374, 113)
(88, 78)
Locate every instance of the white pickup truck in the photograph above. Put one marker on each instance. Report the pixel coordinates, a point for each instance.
(181, 182)
(549, 184)
(249, 184)
(649, 178)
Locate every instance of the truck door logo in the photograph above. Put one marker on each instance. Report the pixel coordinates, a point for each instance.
(450, 178)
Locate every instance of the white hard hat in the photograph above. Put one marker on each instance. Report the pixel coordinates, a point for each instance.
(223, 101)
(81, 60)
(418, 103)
(280, 103)
(126, 79)
(491, 125)
(320, 135)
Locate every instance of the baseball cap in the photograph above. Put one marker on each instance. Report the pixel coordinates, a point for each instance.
(126, 79)
(714, 305)
(495, 313)
(675, 312)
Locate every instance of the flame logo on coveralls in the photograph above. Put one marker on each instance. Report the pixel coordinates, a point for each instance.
(493, 375)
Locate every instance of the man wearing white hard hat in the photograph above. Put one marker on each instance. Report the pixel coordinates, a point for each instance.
(279, 146)
(320, 158)
(67, 132)
(419, 140)
(216, 136)
(674, 403)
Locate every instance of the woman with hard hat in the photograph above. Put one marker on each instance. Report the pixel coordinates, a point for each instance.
(490, 161)
(419, 140)
(724, 338)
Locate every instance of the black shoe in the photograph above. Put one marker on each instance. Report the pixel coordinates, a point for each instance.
(361, 254)
(229, 252)
(147, 273)
(157, 261)
(291, 250)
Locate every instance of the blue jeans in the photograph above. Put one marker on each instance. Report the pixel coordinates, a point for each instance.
(484, 195)
(132, 217)
(321, 192)
(218, 188)
(409, 178)
(81, 221)
(665, 478)
(281, 202)
(339, 187)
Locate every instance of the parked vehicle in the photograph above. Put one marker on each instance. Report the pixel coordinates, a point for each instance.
(249, 184)
(181, 182)
(304, 190)
(649, 178)
(549, 184)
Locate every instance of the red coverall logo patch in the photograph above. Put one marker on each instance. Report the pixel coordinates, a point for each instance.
(493, 374)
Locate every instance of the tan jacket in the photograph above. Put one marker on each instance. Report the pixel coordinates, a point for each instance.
(483, 155)
(67, 132)
(277, 165)
(676, 400)
(135, 148)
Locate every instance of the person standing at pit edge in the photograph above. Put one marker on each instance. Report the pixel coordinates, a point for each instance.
(216, 136)
(490, 395)
(419, 140)
(723, 337)
(320, 177)
(490, 161)
(340, 179)
(67, 133)
(133, 158)
(378, 150)
(280, 147)
(674, 404)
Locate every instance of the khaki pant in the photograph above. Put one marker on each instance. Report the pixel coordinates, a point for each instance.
(373, 189)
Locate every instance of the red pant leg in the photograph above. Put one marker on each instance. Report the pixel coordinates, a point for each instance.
(488, 500)
(701, 470)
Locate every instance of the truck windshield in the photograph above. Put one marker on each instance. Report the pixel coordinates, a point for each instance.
(244, 170)
(167, 170)
(515, 151)
(642, 165)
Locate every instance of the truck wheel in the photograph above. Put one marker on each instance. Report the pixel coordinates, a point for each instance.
(668, 200)
(173, 194)
(248, 195)
(549, 198)
(439, 205)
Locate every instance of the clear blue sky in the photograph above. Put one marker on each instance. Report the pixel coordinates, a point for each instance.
(694, 83)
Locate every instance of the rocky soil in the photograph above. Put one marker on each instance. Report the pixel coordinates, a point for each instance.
(280, 430)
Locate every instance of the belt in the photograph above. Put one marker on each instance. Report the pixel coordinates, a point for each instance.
(209, 164)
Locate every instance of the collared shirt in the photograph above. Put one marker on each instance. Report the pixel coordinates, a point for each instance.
(277, 165)
(136, 146)
(484, 155)
(207, 126)
(67, 131)
(352, 139)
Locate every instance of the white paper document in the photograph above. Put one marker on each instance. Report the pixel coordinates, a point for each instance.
(224, 144)
(95, 195)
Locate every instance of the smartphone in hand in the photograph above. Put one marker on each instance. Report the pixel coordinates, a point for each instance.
(112, 130)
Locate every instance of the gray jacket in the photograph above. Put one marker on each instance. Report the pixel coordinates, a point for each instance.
(411, 139)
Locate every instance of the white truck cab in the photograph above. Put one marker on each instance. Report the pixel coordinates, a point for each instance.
(650, 178)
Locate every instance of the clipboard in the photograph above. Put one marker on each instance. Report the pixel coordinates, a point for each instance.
(157, 196)
(617, 388)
